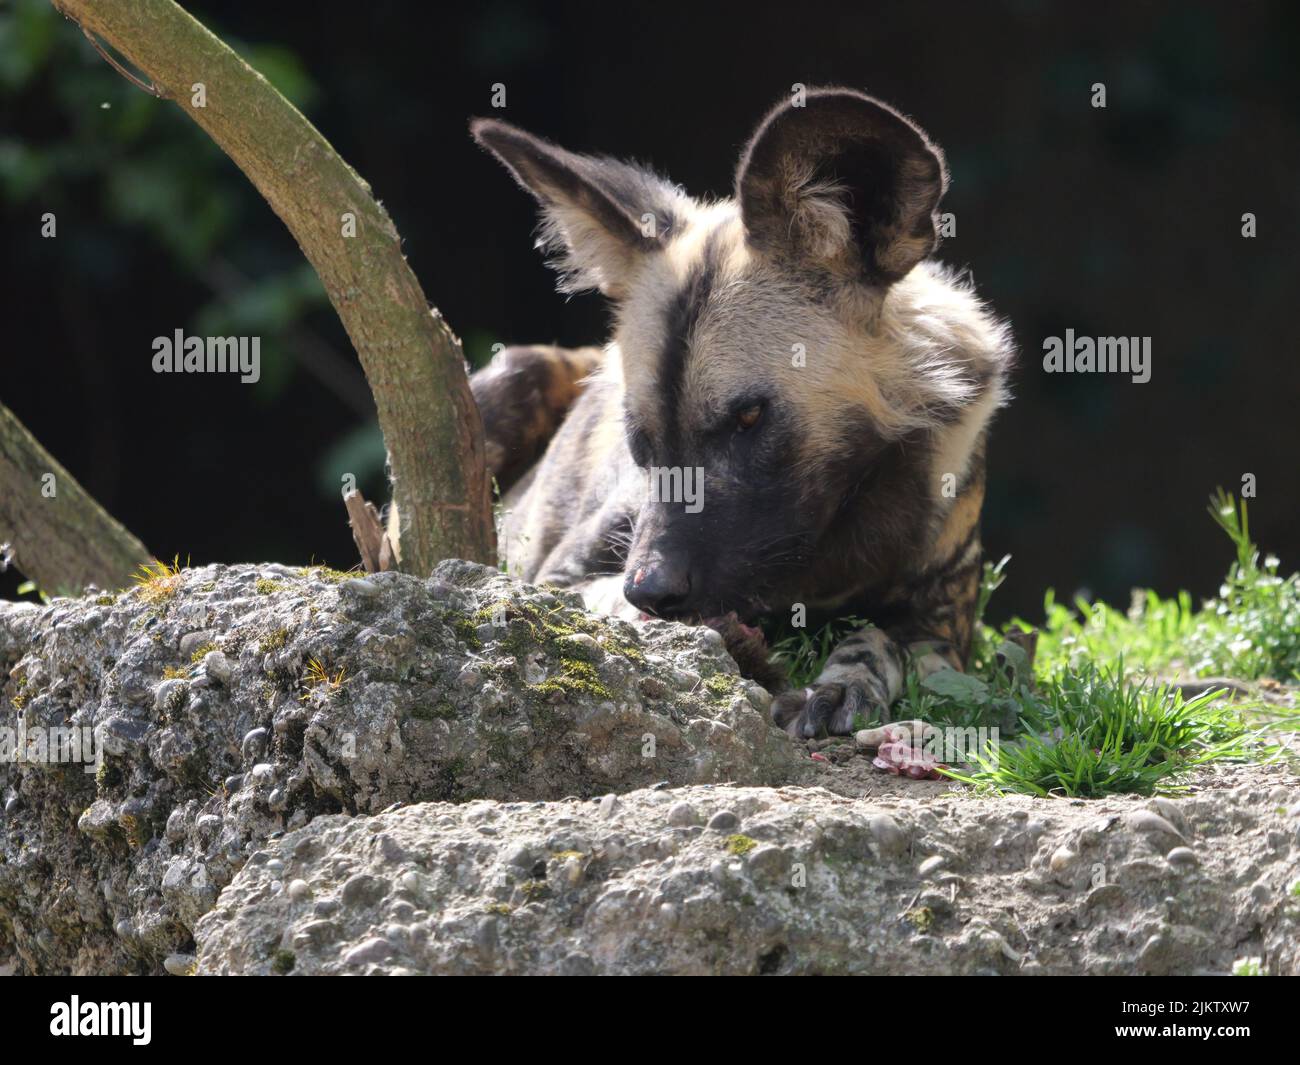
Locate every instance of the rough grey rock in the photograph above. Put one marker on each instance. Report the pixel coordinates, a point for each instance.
(813, 883)
(234, 703)
(388, 775)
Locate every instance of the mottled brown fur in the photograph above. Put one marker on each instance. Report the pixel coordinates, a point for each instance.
(524, 395)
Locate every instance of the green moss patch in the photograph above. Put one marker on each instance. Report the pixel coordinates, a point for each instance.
(740, 845)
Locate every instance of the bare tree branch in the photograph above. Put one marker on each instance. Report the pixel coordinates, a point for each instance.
(58, 535)
(412, 360)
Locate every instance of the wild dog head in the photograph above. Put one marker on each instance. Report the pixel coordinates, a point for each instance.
(766, 357)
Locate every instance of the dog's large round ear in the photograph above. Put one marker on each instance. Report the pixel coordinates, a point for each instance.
(842, 181)
(598, 215)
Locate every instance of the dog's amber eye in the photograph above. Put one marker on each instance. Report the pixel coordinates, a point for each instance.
(748, 418)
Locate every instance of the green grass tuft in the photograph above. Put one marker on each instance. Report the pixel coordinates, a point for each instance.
(1097, 732)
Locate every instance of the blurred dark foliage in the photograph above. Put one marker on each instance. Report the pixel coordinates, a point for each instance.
(1123, 221)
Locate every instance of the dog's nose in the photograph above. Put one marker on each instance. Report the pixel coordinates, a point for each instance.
(661, 587)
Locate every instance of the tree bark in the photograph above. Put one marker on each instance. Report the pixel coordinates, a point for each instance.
(412, 360)
(59, 536)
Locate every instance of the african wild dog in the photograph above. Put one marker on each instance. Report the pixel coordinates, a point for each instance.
(795, 345)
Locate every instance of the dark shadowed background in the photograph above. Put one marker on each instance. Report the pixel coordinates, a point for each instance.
(1124, 221)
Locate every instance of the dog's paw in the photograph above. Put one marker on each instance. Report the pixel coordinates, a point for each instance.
(831, 709)
(860, 679)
